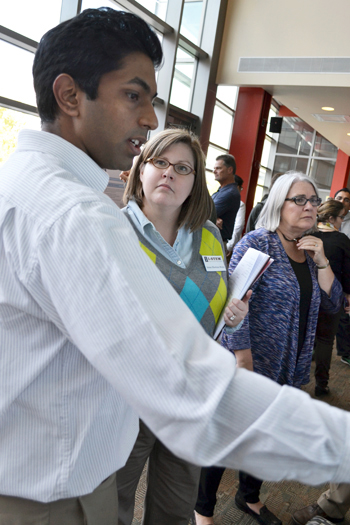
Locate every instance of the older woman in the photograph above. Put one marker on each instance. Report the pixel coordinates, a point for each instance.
(277, 336)
(168, 205)
(337, 248)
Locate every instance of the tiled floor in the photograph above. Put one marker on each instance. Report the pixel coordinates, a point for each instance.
(282, 498)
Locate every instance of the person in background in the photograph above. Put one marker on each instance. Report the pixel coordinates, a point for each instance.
(332, 505)
(337, 249)
(239, 222)
(168, 205)
(343, 196)
(227, 199)
(277, 336)
(255, 212)
(343, 333)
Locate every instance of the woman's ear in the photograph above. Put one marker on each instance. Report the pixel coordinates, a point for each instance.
(331, 219)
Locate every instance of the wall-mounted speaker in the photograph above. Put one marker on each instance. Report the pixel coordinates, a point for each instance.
(276, 124)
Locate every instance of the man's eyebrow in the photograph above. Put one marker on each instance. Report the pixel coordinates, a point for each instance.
(143, 84)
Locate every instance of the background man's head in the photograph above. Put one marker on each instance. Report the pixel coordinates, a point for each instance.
(95, 83)
(225, 169)
(343, 196)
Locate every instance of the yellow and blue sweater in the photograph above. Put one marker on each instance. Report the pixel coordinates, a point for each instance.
(204, 292)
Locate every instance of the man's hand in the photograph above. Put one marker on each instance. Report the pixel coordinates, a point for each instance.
(219, 223)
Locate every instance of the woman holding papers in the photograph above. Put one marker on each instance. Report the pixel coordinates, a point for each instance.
(168, 206)
(277, 336)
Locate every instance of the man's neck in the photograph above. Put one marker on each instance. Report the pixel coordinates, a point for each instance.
(226, 183)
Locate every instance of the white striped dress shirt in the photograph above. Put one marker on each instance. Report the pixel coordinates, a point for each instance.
(91, 334)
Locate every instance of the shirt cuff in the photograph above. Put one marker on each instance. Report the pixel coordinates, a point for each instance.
(232, 329)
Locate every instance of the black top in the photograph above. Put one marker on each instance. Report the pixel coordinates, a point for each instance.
(337, 250)
(302, 273)
(227, 201)
(254, 215)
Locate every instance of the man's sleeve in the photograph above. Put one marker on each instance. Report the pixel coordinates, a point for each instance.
(100, 289)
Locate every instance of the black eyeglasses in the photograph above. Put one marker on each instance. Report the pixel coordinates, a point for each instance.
(163, 164)
(301, 201)
(342, 217)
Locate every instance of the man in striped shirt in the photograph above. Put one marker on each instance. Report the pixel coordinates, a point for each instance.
(91, 334)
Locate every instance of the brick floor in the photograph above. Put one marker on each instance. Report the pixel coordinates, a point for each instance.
(282, 498)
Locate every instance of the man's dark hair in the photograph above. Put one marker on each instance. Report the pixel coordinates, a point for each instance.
(87, 47)
(343, 189)
(229, 161)
(238, 180)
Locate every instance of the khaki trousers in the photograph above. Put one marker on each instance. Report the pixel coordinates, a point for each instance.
(336, 500)
(98, 508)
(172, 483)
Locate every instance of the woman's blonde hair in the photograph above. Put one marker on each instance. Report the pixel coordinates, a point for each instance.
(197, 207)
(330, 208)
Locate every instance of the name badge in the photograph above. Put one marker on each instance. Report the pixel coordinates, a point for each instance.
(214, 263)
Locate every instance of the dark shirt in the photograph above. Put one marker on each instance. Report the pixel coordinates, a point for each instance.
(227, 201)
(302, 273)
(337, 250)
(254, 215)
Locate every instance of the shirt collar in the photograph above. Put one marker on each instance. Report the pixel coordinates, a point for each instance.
(71, 158)
(140, 216)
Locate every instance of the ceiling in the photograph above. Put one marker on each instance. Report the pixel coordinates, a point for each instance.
(305, 101)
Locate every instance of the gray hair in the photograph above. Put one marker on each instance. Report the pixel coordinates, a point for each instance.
(270, 215)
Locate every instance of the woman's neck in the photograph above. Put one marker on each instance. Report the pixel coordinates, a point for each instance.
(165, 221)
(290, 246)
(327, 227)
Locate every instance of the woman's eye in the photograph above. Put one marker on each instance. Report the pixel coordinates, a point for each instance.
(160, 163)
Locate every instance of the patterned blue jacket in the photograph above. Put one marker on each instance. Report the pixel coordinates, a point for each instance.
(271, 327)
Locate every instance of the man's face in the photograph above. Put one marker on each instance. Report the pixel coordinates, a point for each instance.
(221, 173)
(344, 197)
(111, 128)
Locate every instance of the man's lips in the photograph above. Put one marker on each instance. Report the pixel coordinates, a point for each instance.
(136, 143)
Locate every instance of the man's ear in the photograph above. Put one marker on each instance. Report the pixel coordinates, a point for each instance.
(67, 94)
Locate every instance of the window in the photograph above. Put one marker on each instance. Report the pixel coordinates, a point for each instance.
(182, 81)
(16, 80)
(301, 148)
(191, 23)
(157, 7)
(11, 122)
(221, 127)
(30, 18)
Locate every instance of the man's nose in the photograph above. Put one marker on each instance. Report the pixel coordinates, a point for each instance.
(149, 118)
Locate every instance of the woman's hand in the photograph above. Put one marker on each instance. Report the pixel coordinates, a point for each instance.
(314, 247)
(237, 309)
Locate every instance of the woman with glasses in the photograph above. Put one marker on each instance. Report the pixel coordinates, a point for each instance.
(277, 336)
(337, 249)
(168, 205)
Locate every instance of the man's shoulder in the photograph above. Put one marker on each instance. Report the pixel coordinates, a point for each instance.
(42, 189)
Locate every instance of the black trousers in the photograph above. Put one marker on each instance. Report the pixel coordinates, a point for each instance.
(326, 329)
(208, 486)
(249, 487)
(343, 334)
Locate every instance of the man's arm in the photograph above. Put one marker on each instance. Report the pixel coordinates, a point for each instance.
(102, 290)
